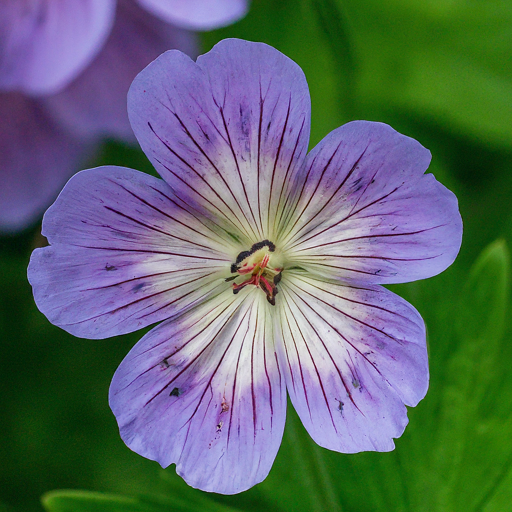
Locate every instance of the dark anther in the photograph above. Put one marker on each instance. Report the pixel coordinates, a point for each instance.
(245, 254)
(175, 392)
(277, 278)
(241, 257)
(260, 245)
(231, 278)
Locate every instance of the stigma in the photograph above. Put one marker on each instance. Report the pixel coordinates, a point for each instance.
(254, 268)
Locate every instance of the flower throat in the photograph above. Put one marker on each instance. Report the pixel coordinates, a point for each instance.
(254, 266)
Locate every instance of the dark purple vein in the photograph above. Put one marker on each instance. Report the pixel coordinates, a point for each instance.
(276, 161)
(351, 214)
(316, 370)
(177, 176)
(203, 152)
(347, 389)
(324, 170)
(363, 237)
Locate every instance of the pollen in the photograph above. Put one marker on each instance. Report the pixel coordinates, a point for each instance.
(254, 268)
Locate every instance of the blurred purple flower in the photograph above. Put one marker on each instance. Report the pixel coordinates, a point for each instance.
(264, 264)
(65, 69)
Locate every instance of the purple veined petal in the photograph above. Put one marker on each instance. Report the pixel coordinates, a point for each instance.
(226, 132)
(367, 212)
(352, 356)
(95, 102)
(117, 208)
(125, 254)
(198, 14)
(44, 44)
(204, 390)
(36, 159)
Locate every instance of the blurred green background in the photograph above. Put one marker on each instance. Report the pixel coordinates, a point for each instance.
(437, 70)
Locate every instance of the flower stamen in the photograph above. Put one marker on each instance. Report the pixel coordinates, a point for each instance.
(255, 264)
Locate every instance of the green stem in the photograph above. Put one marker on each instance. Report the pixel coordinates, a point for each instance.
(311, 464)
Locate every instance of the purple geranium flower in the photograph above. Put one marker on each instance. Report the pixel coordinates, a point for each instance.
(264, 264)
(65, 69)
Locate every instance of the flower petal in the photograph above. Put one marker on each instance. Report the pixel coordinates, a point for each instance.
(198, 14)
(95, 103)
(36, 159)
(46, 43)
(226, 132)
(367, 212)
(352, 357)
(204, 390)
(125, 254)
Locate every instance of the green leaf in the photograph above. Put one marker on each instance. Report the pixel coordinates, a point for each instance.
(500, 499)
(311, 484)
(336, 33)
(444, 59)
(456, 453)
(86, 501)
(484, 301)
(473, 442)
(308, 478)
